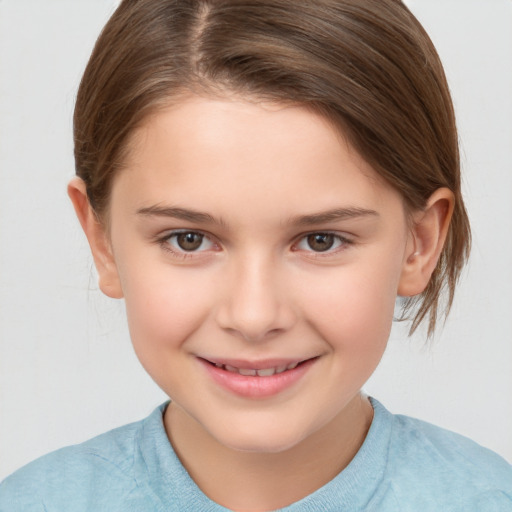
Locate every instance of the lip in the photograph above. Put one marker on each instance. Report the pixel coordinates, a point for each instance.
(255, 387)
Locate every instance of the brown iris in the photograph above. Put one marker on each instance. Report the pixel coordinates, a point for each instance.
(189, 241)
(320, 242)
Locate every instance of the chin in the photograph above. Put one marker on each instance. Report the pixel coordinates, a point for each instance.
(261, 438)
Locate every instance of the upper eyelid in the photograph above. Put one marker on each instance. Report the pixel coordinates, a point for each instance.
(163, 241)
(322, 231)
(165, 236)
(172, 232)
(345, 237)
(169, 232)
(341, 235)
(345, 242)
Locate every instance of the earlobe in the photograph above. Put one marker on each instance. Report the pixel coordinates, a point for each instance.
(426, 241)
(97, 237)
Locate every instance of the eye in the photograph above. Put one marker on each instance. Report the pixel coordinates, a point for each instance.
(188, 241)
(321, 242)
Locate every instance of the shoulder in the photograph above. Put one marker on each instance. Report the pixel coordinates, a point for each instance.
(437, 467)
(83, 474)
(417, 440)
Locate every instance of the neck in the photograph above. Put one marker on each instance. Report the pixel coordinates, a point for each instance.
(256, 482)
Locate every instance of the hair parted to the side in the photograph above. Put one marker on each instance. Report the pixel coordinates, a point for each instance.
(367, 65)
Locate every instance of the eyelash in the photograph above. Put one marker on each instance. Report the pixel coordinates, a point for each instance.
(343, 243)
(165, 243)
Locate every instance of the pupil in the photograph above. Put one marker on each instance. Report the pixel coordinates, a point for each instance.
(321, 241)
(189, 241)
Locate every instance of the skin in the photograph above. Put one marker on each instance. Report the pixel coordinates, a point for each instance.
(256, 289)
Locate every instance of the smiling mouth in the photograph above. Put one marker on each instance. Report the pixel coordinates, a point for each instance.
(259, 372)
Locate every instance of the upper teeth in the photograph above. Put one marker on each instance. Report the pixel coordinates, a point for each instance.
(251, 372)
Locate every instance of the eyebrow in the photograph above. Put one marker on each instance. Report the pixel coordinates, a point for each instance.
(179, 213)
(336, 214)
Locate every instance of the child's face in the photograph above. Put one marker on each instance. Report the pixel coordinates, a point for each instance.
(253, 236)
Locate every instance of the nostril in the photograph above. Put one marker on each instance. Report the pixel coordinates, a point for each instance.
(254, 307)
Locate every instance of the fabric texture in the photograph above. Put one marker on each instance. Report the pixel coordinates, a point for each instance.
(404, 465)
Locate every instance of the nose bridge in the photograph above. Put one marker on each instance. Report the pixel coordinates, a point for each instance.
(256, 305)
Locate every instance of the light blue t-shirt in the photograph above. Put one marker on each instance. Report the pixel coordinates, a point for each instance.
(404, 465)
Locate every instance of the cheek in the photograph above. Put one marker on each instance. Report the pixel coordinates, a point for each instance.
(164, 308)
(353, 308)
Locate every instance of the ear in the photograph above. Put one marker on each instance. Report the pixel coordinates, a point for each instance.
(98, 240)
(426, 241)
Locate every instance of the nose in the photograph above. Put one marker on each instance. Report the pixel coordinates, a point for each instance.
(255, 306)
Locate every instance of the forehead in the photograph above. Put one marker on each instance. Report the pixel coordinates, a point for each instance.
(204, 150)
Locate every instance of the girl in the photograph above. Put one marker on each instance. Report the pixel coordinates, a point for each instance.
(259, 181)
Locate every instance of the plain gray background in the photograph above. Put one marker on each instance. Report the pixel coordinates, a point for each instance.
(67, 370)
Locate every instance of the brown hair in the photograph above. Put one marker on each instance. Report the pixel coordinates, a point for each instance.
(367, 65)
